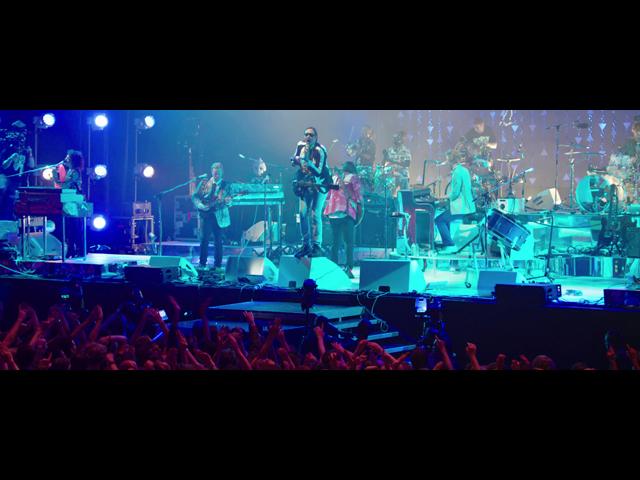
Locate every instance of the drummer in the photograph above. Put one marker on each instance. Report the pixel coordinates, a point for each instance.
(622, 162)
(480, 139)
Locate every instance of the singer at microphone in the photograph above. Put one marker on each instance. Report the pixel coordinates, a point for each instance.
(212, 198)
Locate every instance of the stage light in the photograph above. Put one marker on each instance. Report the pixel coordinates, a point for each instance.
(49, 119)
(145, 123)
(98, 222)
(100, 171)
(145, 170)
(100, 121)
(47, 173)
(44, 121)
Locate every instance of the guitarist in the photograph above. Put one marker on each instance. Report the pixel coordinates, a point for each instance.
(311, 157)
(344, 209)
(212, 199)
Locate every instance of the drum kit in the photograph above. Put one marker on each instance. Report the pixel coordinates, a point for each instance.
(595, 191)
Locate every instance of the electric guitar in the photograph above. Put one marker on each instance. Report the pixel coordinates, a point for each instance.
(207, 205)
(300, 186)
(307, 179)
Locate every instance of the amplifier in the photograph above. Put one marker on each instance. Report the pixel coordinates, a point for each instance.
(622, 298)
(511, 205)
(155, 275)
(528, 295)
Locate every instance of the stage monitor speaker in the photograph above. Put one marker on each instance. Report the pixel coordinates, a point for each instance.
(546, 200)
(187, 270)
(253, 268)
(488, 279)
(401, 276)
(328, 275)
(255, 233)
(36, 245)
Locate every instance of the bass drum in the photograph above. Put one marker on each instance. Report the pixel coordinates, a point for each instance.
(593, 193)
(507, 230)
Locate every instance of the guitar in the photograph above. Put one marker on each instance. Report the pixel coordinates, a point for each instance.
(207, 205)
(306, 179)
(300, 186)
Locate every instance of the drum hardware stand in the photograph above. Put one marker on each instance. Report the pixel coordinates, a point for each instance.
(547, 267)
(610, 235)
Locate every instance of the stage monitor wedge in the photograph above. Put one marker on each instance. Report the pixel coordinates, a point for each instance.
(253, 268)
(187, 270)
(327, 274)
(401, 276)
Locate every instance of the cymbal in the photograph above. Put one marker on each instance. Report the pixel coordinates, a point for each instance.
(584, 153)
(436, 162)
(508, 159)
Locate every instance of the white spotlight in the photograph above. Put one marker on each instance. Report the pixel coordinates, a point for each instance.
(49, 119)
(148, 171)
(47, 173)
(98, 222)
(100, 121)
(100, 171)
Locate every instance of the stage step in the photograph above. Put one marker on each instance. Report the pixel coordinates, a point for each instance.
(400, 348)
(352, 324)
(375, 337)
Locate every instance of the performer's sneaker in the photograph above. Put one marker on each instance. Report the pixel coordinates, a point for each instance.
(316, 251)
(303, 252)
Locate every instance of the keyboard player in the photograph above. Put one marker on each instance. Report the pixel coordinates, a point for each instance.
(68, 175)
(461, 201)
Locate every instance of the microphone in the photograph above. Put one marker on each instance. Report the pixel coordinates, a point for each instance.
(529, 170)
(335, 140)
(241, 155)
(204, 175)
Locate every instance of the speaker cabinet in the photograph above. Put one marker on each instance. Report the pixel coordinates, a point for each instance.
(400, 276)
(488, 279)
(258, 268)
(187, 270)
(328, 275)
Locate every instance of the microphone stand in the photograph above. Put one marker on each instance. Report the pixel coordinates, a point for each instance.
(158, 197)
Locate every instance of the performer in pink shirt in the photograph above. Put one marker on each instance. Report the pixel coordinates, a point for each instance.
(344, 210)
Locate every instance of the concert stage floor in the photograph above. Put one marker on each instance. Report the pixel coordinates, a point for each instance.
(445, 275)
